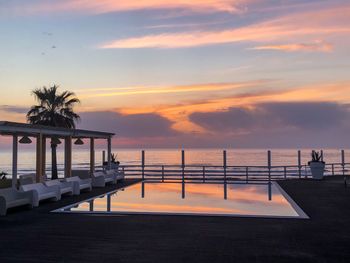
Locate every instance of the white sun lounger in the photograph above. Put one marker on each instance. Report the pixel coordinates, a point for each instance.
(100, 179)
(65, 187)
(42, 192)
(118, 175)
(79, 184)
(12, 198)
(29, 178)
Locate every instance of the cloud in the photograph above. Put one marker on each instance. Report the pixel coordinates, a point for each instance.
(14, 109)
(205, 87)
(131, 126)
(107, 6)
(303, 26)
(308, 115)
(309, 47)
(232, 119)
(278, 124)
(275, 116)
(178, 108)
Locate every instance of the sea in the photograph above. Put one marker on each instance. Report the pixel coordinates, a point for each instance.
(244, 157)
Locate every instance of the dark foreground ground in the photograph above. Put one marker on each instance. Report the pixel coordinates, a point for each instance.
(39, 236)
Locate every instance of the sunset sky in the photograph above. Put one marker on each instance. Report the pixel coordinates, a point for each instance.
(192, 73)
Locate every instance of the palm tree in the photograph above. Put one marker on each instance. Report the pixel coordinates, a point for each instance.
(56, 110)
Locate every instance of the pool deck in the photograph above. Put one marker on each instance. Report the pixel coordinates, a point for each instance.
(39, 236)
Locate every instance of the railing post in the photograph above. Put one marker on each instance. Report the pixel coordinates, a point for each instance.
(333, 169)
(143, 164)
(14, 160)
(103, 157)
(225, 166)
(109, 152)
(203, 174)
(246, 174)
(299, 163)
(183, 172)
(269, 163)
(285, 172)
(305, 171)
(92, 156)
(162, 173)
(343, 166)
(269, 168)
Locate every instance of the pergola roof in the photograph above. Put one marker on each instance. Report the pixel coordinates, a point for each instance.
(21, 129)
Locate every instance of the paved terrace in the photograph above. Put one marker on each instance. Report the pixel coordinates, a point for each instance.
(39, 236)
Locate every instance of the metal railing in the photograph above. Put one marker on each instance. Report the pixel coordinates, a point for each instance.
(229, 174)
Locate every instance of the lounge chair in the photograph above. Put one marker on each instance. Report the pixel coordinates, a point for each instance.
(118, 175)
(79, 184)
(65, 187)
(100, 179)
(27, 179)
(42, 192)
(10, 197)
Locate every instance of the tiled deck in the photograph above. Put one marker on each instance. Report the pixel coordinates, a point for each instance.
(39, 236)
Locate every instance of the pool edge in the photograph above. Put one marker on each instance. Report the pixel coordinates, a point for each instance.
(295, 206)
(300, 213)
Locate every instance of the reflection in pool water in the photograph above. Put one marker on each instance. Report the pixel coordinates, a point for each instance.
(197, 199)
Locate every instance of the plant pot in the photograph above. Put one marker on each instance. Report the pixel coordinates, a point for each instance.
(317, 170)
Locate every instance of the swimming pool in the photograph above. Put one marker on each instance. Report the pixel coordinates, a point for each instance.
(194, 199)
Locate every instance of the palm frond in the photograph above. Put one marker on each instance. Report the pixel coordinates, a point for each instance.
(54, 109)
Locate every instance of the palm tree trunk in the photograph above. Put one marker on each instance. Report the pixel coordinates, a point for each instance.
(54, 161)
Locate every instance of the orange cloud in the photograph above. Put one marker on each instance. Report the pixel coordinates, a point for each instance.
(288, 27)
(217, 97)
(127, 91)
(178, 112)
(316, 46)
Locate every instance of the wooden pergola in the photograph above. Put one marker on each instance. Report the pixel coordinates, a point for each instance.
(41, 133)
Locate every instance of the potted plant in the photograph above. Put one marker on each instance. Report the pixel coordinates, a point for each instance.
(317, 165)
(4, 182)
(114, 162)
(3, 175)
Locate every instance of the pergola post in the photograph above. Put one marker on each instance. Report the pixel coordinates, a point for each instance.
(68, 156)
(43, 157)
(92, 156)
(14, 160)
(39, 158)
(109, 152)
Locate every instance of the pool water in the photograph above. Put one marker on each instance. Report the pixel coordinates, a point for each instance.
(193, 199)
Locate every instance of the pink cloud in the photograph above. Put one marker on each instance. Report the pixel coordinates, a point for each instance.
(301, 26)
(105, 6)
(308, 47)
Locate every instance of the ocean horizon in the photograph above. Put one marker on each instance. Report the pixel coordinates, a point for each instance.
(204, 156)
